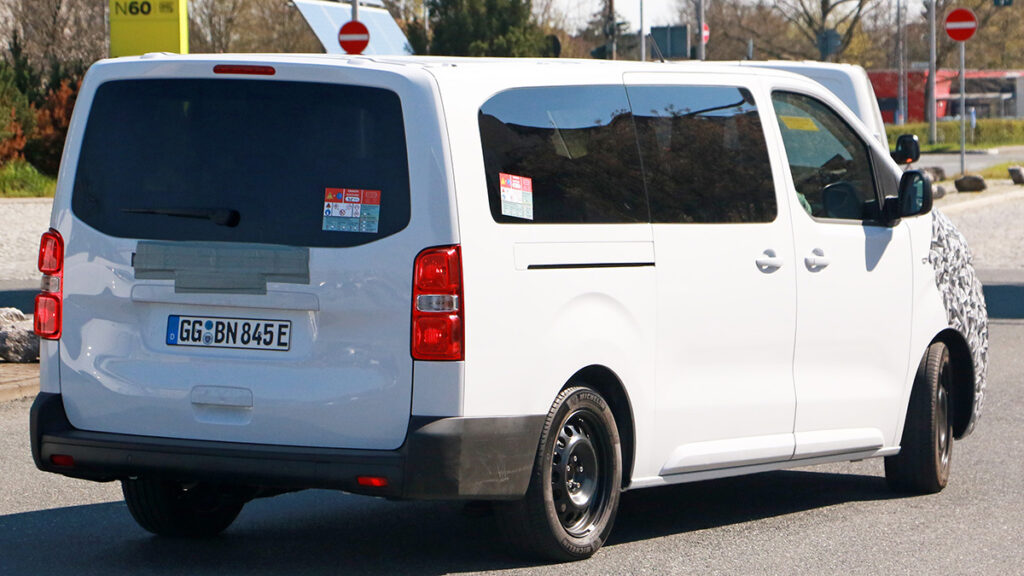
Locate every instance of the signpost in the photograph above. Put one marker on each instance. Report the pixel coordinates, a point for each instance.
(141, 26)
(354, 37)
(960, 26)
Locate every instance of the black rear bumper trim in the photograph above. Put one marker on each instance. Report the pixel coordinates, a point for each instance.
(442, 458)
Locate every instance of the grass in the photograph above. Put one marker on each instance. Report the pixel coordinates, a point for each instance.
(19, 179)
(997, 172)
(989, 133)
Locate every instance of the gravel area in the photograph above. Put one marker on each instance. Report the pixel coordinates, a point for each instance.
(22, 221)
(992, 223)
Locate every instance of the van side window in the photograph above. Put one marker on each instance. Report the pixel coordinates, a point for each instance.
(704, 154)
(831, 165)
(564, 154)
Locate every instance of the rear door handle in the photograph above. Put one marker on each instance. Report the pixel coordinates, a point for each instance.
(817, 260)
(769, 262)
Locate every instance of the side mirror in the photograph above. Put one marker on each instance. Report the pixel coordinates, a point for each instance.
(915, 197)
(908, 149)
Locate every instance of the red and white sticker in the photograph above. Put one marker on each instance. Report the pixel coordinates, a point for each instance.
(516, 196)
(351, 210)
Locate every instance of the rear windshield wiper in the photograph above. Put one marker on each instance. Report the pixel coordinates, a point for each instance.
(219, 216)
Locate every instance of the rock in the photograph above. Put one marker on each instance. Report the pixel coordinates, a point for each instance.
(937, 173)
(970, 183)
(938, 192)
(1017, 174)
(18, 343)
(10, 316)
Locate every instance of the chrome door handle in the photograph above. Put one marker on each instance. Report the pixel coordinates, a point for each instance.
(817, 260)
(769, 262)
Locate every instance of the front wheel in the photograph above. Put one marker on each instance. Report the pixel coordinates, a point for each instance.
(922, 466)
(570, 505)
(172, 509)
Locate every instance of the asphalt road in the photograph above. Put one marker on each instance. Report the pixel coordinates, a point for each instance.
(826, 520)
(975, 161)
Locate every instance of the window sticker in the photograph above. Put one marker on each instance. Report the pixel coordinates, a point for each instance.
(351, 210)
(516, 196)
(799, 123)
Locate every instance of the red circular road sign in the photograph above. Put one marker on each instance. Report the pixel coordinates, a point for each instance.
(961, 24)
(705, 34)
(354, 37)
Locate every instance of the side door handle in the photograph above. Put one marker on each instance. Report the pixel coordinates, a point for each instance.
(817, 260)
(769, 261)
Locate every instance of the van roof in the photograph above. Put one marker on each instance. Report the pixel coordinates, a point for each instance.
(470, 64)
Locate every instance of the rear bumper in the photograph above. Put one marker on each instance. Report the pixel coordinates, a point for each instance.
(442, 458)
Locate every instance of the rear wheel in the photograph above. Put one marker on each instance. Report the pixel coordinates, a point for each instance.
(922, 466)
(573, 496)
(171, 509)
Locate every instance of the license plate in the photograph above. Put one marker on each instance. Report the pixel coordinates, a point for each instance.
(213, 332)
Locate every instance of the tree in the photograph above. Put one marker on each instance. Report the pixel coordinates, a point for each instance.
(274, 26)
(814, 18)
(213, 25)
(485, 28)
(60, 32)
(786, 29)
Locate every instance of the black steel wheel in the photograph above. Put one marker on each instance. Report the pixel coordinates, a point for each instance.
(168, 508)
(926, 450)
(570, 505)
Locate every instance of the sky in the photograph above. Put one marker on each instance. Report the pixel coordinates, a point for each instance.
(656, 12)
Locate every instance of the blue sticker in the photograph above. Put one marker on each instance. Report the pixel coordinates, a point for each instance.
(172, 330)
(209, 325)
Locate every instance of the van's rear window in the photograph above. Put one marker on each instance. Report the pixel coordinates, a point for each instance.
(294, 163)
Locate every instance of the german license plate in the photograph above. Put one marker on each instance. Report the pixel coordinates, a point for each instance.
(213, 332)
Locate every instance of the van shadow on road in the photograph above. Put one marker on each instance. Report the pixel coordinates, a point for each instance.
(1004, 300)
(318, 532)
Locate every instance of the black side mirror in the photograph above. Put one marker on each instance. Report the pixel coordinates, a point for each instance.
(908, 149)
(915, 198)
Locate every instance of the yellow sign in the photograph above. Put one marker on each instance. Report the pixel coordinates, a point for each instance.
(141, 26)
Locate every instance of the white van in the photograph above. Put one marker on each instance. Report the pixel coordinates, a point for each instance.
(533, 282)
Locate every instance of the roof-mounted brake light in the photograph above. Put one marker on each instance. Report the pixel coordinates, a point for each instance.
(244, 69)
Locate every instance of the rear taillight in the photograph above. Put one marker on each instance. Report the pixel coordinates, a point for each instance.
(49, 308)
(438, 312)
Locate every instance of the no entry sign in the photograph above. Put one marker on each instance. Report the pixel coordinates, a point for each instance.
(354, 37)
(961, 24)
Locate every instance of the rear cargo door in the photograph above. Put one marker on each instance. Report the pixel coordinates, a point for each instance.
(239, 257)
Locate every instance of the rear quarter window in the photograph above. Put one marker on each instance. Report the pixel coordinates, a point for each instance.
(292, 163)
(563, 154)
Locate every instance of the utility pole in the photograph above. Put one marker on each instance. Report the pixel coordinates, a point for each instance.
(612, 27)
(700, 29)
(932, 109)
(901, 105)
(643, 37)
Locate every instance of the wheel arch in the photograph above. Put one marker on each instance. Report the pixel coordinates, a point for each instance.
(963, 379)
(608, 384)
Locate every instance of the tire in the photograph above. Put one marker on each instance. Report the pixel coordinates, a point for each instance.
(922, 466)
(167, 508)
(568, 513)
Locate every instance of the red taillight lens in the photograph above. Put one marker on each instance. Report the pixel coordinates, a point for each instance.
(51, 253)
(47, 319)
(62, 460)
(372, 481)
(438, 313)
(49, 308)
